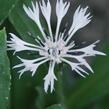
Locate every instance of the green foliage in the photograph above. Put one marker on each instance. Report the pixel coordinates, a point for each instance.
(40, 101)
(56, 106)
(28, 92)
(93, 87)
(5, 8)
(4, 73)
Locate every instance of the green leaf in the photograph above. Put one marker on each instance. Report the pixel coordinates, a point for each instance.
(94, 87)
(56, 106)
(5, 8)
(4, 72)
(102, 103)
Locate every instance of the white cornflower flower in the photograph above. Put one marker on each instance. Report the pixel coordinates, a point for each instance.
(54, 48)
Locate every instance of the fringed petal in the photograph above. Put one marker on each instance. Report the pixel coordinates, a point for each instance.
(30, 65)
(89, 50)
(18, 45)
(46, 11)
(61, 10)
(76, 67)
(80, 20)
(49, 78)
(33, 13)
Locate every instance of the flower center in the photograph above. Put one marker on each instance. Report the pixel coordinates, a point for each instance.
(53, 52)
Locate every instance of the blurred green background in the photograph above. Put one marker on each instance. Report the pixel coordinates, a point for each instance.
(71, 90)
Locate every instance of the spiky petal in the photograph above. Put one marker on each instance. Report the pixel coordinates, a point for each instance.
(89, 50)
(49, 78)
(46, 11)
(61, 10)
(30, 65)
(33, 13)
(18, 45)
(80, 20)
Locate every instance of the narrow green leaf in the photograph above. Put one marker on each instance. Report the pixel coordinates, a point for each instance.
(4, 73)
(5, 8)
(93, 87)
(56, 106)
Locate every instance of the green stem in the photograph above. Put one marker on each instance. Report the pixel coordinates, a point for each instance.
(60, 92)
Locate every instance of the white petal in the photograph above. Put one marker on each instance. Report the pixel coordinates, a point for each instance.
(46, 11)
(19, 45)
(80, 20)
(82, 70)
(34, 15)
(30, 65)
(81, 59)
(77, 71)
(61, 10)
(75, 67)
(86, 52)
(89, 50)
(49, 78)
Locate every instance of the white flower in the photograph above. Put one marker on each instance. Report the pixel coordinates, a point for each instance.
(55, 48)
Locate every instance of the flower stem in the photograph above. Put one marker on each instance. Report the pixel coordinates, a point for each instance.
(60, 92)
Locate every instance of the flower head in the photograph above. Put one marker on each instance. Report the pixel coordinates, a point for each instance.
(54, 48)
